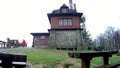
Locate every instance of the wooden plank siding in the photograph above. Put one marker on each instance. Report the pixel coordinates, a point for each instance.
(40, 39)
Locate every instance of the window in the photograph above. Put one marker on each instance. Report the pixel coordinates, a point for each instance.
(60, 22)
(64, 10)
(43, 37)
(69, 22)
(65, 22)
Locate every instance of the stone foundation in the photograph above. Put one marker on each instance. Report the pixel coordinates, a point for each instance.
(65, 39)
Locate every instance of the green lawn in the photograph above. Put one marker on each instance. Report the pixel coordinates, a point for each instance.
(49, 58)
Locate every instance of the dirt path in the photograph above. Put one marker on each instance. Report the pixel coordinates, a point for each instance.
(67, 61)
(71, 61)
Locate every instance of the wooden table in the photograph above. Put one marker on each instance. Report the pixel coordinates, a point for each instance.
(87, 56)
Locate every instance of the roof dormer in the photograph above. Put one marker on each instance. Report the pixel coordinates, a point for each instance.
(64, 9)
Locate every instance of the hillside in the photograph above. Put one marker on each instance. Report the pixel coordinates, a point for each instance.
(52, 58)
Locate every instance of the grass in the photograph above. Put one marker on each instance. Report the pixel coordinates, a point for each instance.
(46, 57)
(49, 58)
(99, 60)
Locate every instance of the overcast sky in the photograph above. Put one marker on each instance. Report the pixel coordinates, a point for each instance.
(19, 18)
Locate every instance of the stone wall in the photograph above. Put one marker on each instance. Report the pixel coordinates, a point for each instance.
(65, 39)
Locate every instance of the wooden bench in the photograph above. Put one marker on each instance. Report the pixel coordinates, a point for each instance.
(8, 60)
(87, 56)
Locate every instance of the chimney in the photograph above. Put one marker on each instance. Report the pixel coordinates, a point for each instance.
(70, 4)
(75, 7)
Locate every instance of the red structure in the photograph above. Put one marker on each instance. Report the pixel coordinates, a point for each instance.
(24, 44)
(12, 43)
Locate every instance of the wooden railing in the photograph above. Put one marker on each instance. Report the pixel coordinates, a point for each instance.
(87, 56)
(8, 60)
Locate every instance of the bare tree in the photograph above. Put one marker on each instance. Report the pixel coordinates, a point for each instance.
(109, 34)
(117, 39)
(109, 40)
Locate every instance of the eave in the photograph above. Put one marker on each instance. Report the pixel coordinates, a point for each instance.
(36, 34)
(63, 14)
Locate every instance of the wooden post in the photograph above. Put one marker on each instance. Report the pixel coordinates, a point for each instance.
(7, 62)
(4, 44)
(85, 63)
(106, 60)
